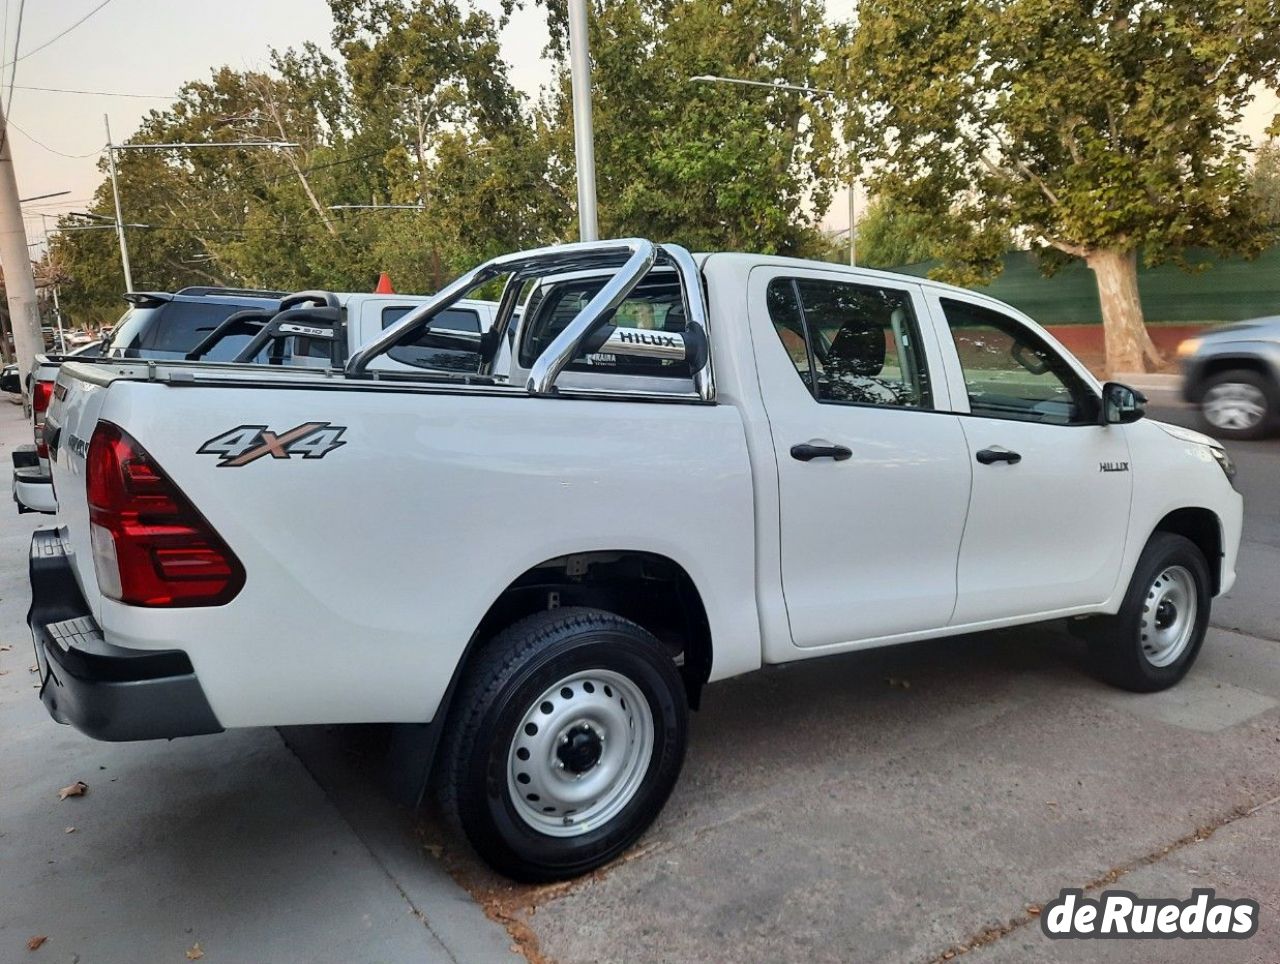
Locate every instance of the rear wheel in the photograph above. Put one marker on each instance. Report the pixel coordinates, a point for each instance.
(1239, 404)
(1152, 641)
(569, 737)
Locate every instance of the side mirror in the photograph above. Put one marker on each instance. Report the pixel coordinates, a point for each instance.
(10, 382)
(1121, 404)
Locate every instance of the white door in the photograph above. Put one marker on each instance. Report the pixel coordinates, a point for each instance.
(1051, 486)
(873, 481)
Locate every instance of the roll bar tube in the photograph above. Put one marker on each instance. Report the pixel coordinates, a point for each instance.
(630, 259)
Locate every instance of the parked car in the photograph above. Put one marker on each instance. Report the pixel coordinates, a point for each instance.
(1233, 374)
(11, 383)
(672, 471)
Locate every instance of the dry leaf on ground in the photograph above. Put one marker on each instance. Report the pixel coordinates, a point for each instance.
(194, 954)
(77, 789)
(33, 943)
(69, 830)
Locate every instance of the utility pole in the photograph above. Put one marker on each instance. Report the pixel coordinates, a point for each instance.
(853, 221)
(584, 147)
(115, 193)
(19, 284)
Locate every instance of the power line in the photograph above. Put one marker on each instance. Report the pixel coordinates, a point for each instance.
(58, 36)
(52, 150)
(98, 93)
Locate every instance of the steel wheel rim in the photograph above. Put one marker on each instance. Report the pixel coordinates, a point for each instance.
(580, 753)
(1234, 405)
(1169, 616)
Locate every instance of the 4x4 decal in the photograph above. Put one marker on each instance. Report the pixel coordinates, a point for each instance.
(248, 443)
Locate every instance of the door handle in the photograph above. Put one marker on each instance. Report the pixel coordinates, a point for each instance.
(806, 452)
(989, 456)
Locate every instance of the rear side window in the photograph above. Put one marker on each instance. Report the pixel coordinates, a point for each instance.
(127, 334)
(169, 330)
(655, 305)
(852, 344)
(426, 356)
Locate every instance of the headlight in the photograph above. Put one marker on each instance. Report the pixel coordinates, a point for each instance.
(1224, 461)
(1188, 347)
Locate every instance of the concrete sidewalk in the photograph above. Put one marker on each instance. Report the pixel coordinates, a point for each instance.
(222, 841)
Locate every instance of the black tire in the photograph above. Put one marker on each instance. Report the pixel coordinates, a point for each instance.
(1116, 643)
(501, 685)
(1244, 380)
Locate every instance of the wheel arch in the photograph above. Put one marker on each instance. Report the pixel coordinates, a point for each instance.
(1203, 527)
(1242, 361)
(647, 587)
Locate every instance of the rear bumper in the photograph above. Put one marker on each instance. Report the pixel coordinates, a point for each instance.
(105, 691)
(32, 486)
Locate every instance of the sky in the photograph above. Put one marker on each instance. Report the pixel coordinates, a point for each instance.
(152, 47)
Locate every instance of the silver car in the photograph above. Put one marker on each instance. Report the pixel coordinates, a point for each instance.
(1233, 374)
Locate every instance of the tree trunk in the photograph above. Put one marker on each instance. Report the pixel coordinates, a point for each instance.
(1128, 345)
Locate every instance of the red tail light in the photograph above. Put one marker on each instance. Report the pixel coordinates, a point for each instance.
(41, 392)
(150, 545)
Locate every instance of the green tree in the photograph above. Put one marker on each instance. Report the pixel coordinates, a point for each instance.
(1101, 130)
(890, 236)
(1264, 183)
(708, 165)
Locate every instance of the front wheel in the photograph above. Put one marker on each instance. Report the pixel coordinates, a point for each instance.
(568, 738)
(1152, 641)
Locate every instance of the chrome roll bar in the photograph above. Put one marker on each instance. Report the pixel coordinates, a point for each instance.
(629, 260)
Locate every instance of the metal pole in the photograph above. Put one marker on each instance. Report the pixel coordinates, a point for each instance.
(57, 317)
(19, 284)
(583, 134)
(853, 222)
(115, 193)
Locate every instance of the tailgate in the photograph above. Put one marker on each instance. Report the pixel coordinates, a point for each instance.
(73, 412)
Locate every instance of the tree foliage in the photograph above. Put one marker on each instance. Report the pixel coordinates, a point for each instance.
(1265, 184)
(1099, 130)
(709, 165)
(417, 107)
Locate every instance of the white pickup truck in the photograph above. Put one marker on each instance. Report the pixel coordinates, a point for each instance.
(672, 470)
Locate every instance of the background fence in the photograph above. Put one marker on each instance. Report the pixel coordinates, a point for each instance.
(1227, 290)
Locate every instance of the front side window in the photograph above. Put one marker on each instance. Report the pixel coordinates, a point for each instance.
(426, 356)
(1010, 372)
(851, 344)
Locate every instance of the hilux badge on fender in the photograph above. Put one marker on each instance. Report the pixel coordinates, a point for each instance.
(248, 443)
(1113, 466)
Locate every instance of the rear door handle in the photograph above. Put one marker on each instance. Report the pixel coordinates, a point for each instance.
(807, 452)
(989, 456)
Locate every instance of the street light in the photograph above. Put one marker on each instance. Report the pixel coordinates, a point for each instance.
(798, 88)
(183, 145)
